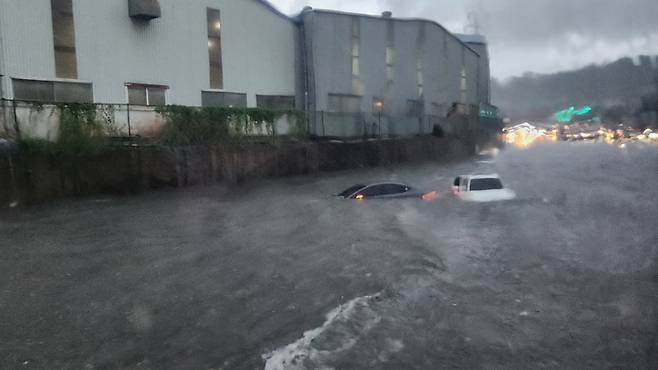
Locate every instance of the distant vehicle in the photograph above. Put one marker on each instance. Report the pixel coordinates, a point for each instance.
(385, 191)
(481, 188)
(487, 156)
(485, 159)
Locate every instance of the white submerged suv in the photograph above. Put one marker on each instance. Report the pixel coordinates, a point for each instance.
(481, 188)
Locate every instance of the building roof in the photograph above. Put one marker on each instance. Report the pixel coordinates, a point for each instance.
(274, 9)
(337, 12)
(472, 39)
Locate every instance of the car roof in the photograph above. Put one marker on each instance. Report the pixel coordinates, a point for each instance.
(386, 183)
(478, 177)
(361, 187)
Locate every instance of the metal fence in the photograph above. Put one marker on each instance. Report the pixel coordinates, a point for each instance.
(368, 125)
(42, 120)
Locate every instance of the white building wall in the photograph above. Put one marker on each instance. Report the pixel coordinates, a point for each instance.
(26, 41)
(258, 47)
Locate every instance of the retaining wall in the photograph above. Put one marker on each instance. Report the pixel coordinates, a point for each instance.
(34, 177)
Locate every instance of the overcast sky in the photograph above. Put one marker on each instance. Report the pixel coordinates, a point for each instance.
(540, 36)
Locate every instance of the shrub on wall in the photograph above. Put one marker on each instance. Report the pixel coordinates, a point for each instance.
(297, 121)
(217, 125)
(79, 131)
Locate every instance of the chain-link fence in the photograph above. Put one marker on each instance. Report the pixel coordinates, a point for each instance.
(369, 125)
(25, 119)
(29, 119)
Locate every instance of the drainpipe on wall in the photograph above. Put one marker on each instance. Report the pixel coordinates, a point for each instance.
(307, 70)
(2, 61)
(2, 79)
(479, 85)
(304, 70)
(3, 117)
(3, 74)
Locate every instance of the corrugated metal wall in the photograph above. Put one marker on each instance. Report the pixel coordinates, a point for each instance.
(112, 49)
(329, 39)
(27, 40)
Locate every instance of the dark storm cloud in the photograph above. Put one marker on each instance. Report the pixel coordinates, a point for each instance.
(532, 35)
(539, 20)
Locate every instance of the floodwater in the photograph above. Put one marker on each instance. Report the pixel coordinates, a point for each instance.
(279, 275)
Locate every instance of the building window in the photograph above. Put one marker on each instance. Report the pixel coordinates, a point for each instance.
(64, 39)
(148, 95)
(463, 86)
(215, 49)
(275, 102)
(414, 108)
(223, 99)
(52, 91)
(420, 53)
(419, 78)
(340, 103)
(357, 84)
(390, 53)
(356, 52)
(389, 63)
(438, 109)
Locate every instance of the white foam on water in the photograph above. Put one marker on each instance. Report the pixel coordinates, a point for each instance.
(294, 355)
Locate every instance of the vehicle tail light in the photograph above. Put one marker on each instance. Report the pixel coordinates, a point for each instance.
(430, 196)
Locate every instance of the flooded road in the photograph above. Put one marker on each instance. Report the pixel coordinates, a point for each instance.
(279, 275)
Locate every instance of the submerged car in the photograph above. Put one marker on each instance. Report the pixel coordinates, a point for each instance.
(481, 188)
(487, 156)
(385, 191)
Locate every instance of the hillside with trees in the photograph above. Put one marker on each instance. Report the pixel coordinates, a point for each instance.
(617, 89)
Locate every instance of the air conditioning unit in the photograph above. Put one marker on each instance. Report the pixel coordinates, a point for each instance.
(144, 9)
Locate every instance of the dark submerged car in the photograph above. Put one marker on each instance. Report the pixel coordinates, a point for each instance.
(384, 191)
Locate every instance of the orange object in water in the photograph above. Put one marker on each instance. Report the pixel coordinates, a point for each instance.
(430, 196)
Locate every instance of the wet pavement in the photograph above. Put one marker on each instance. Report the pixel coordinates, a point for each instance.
(279, 275)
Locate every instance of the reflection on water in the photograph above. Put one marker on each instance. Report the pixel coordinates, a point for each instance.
(216, 278)
(524, 135)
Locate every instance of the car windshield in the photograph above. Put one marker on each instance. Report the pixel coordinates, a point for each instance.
(486, 184)
(351, 190)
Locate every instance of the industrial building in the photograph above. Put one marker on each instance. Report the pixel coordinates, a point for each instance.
(353, 73)
(172, 52)
(405, 72)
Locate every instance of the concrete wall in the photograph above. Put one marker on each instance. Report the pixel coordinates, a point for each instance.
(34, 177)
(30, 121)
(258, 51)
(328, 43)
(36, 121)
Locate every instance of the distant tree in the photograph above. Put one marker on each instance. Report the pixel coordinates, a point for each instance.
(650, 103)
(618, 83)
(612, 116)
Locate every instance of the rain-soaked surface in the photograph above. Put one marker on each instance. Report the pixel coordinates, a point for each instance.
(279, 275)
